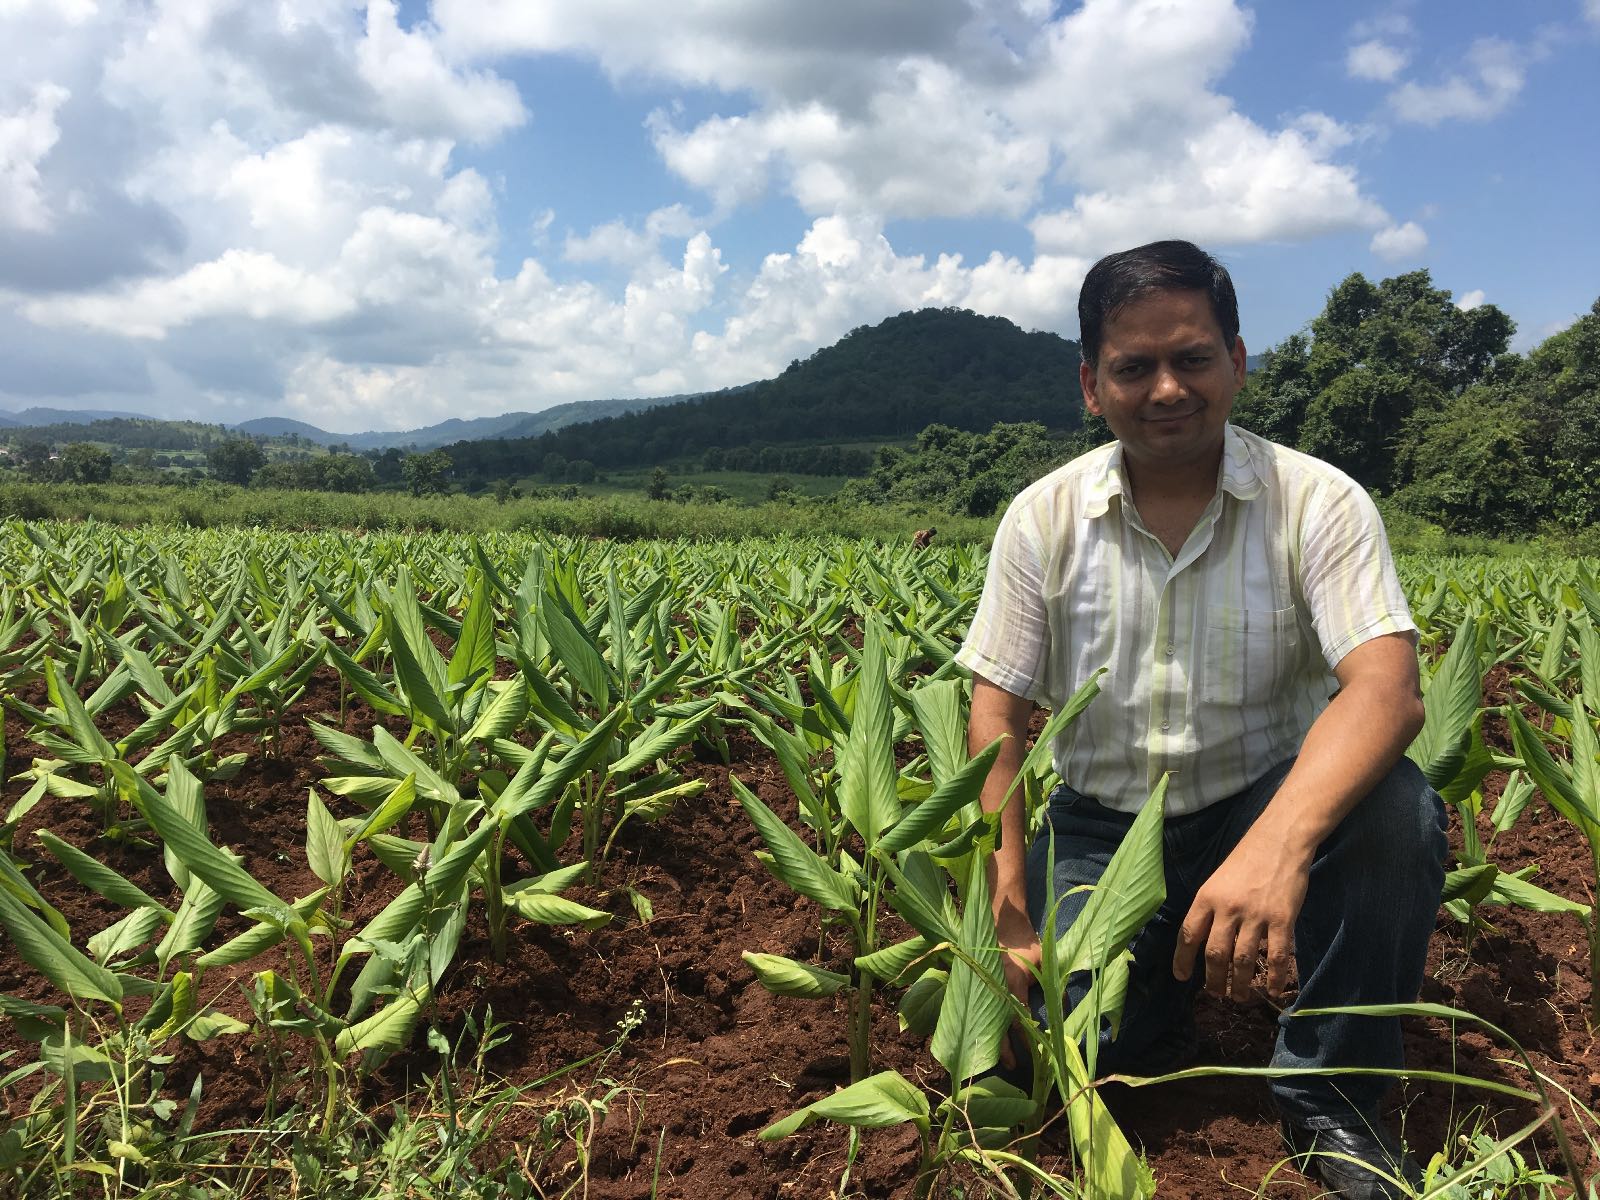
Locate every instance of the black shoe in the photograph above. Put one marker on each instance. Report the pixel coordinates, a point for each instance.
(1357, 1162)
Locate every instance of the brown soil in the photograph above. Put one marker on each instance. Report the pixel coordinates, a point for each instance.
(717, 1057)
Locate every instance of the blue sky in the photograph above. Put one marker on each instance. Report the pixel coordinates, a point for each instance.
(370, 216)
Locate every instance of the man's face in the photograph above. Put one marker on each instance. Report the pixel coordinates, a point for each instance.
(1166, 380)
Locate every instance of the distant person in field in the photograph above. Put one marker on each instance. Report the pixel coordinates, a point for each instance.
(923, 538)
(1261, 653)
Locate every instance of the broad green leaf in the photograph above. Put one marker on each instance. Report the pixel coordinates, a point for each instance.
(325, 850)
(878, 1101)
(919, 1006)
(1512, 889)
(186, 796)
(1111, 1167)
(993, 1103)
(99, 878)
(366, 685)
(385, 1031)
(660, 740)
(14, 881)
(1450, 702)
(1039, 757)
(1552, 778)
(504, 715)
(976, 1011)
(867, 774)
(402, 762)
(35, 1022)
(551, 882)
(1131, 888)
(412, 632)
(942, 724)
(793, 862)
(538, 782)
(577, 653)
(258, 938)
(47, 952)
(194, 849)
(554, 910)
(920, 897)
(960, 788)
(892, 962)
(786, 977)
(473, 658)
(1471, 884)
(389, 812)
(124, 936)
(78, 719)
(417, 666)
(196, 918)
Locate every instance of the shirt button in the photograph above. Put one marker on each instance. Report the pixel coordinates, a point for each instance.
(1165, 725)
(1171, 650)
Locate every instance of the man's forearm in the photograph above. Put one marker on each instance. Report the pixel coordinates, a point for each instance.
(1349, 748)
(996, 712)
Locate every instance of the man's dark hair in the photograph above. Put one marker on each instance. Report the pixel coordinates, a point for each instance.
(1119, 279)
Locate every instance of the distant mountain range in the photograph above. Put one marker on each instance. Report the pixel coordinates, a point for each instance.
(49, 421)
(30, 417)
(429, 437)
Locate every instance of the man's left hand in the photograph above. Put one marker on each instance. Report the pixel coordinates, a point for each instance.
(1248, 906)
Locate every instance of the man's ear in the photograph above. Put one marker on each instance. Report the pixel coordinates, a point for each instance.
(1238, 355)
(1088, 383)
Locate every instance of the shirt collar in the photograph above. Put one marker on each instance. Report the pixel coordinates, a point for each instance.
(1242, 475)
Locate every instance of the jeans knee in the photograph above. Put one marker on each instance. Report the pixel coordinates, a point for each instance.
(1397, 829)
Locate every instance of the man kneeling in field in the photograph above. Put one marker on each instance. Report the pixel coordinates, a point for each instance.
(1231, 586)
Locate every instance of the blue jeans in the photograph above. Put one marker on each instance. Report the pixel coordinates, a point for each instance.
(1361, 937)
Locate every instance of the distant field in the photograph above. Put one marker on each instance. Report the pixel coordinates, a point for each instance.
(747, 487)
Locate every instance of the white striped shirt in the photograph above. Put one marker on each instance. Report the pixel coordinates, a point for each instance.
(1219, 659)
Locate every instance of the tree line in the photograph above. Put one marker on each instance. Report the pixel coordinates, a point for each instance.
(1423, 402)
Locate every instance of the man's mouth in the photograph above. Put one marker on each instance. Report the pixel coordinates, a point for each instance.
(1170, 417)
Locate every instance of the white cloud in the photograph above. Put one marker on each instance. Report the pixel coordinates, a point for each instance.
(1376, 60)
(26, 136)
(1398, 242)
(308, 233)
(621, 244)
(1494, 75)
(1468, 301)
(419, 91)
(1234, 184)
(1591, 10)
(240, 283)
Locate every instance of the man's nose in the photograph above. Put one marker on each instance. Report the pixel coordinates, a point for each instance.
(1167, 388)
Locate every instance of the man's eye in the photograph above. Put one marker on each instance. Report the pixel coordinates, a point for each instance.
(1197, 360)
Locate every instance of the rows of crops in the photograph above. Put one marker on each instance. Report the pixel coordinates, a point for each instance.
(492, 725)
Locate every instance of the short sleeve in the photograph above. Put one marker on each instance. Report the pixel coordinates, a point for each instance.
(1347, 572)
(1009, 638)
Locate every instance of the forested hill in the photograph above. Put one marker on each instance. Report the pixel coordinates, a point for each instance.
(935, 366)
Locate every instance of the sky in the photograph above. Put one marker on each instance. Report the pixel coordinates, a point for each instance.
(381, 215)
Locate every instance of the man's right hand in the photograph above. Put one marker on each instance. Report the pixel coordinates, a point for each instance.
(1019, 953)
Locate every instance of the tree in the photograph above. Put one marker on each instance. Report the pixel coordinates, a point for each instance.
(346, 473)
(234, 460)
(658, 489)
(35, 455)
(425, 473)
(86, 463)
(1377, 357)
(387, 466)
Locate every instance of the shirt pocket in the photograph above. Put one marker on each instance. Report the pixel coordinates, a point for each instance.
(1249, 653)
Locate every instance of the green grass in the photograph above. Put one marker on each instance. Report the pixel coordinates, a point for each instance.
(622, 515)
